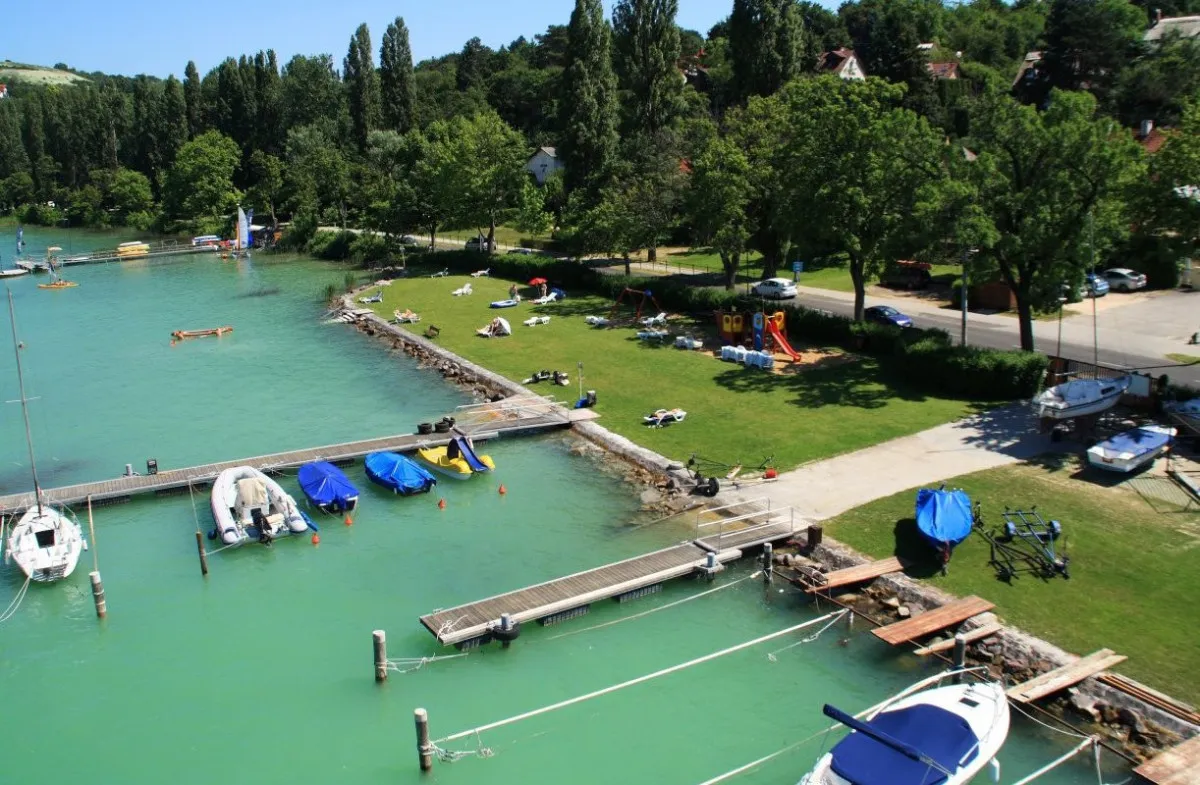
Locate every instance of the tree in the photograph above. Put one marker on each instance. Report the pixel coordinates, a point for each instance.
(1088, 43)
(854, 167)
(316, 175)
(147, 143)
(1040, 179)
(191, 97)
(362, 83)
(270, 134)
(1157, 84)
(396, 77)
(473, 66)
(129, 194)
(761, 130)
(490, 158)
(588, 108)
(200, 184)
(765, 46)
(172, 123)
(311, 91)
(13, 158)
(646, 40)
(532, 217)
(266, 173)
(434, 195)
(719, 196)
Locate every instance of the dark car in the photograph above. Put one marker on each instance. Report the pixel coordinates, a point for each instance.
(907, 275)
(886, 314)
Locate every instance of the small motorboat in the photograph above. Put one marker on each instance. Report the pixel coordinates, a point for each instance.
(248, 504)
(398, 473)
(663, 417)
(944, 519)
(1080, 397)
(503, 303)
(13, 272)
(939, 736)
(327, 488)
(1131, 450)
(457, 460)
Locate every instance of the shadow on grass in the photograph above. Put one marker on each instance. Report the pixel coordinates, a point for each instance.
(1010, 430)
(911, 547)
(862, 385)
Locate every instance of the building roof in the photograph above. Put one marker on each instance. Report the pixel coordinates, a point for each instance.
(1186, 26)
(547, 150)
(1031, 60)
(1151, 142)
(943, 70)
(836, 59)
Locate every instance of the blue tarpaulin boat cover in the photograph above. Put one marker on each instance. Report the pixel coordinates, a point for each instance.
(923, 730)
(944, 517)
(394, 471)
(325, 485)
(1138, 441)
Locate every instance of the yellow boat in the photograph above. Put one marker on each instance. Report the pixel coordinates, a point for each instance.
(59, 284)
(133, 248)
(458, 460)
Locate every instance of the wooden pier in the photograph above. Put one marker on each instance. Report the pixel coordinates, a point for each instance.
(1066, 676)
(859, 574)
(471, 624)
(157, 250)
(932, 621)
(480, 421)
(1179, 765)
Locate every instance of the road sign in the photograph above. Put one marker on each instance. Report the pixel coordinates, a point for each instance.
(797, 268)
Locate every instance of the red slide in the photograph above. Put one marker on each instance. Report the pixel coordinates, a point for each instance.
(781, 341)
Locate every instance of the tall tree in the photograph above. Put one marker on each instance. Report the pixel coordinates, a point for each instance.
(765, 45)
(172, 122)
(147, 153)
(491, 158)
(396, 77)
(270, 133)
(1088, 44)
(362, 83)
(200, 184)
(646, 40)
(473, 65)
(719, 198)
(588, 107)
(191, 96)
(311, 91)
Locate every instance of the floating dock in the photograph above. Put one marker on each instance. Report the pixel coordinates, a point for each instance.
(163, 248)
(1179, 765)
(932, 621)
(470, 625)
(1065, 676)
(519, 414)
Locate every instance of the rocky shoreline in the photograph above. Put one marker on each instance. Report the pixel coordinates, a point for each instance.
(1124, 721)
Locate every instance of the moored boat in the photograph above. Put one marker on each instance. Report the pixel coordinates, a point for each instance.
(939, 736)
(457, 460)
(1080, 397)
(1129, 451)
(944, 519)
(398, 473)
(327, 488)
(248, 504)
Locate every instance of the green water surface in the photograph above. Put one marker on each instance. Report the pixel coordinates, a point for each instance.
(262, 672)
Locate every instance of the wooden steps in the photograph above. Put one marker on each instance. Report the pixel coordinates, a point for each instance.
(933, 621)
(1143, 693)
(859, 573)
(1066, 676)
(1179, 765)
(977, 634)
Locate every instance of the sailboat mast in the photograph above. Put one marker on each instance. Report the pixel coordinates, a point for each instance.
(12, 317)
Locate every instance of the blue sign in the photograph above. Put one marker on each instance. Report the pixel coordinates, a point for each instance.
(797, 267)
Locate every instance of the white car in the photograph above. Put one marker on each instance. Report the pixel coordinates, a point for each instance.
(775, 289)
(1122, 279)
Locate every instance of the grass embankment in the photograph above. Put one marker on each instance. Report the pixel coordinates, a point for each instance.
(1133, 584)
(734, 413)
(1183, 359)
(834, 277)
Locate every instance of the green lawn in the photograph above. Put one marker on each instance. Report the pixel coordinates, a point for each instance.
(833, 277)
(1184, 359)
(1133, 585)
(505, 235)
(734, 413)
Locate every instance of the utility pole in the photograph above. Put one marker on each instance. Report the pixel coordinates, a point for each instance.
(1092, 247)
(963, 296)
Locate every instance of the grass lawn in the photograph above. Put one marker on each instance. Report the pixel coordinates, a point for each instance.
(1133, 585)
(734, 413)
(1184, 359)
(834, 277)
(505, 235)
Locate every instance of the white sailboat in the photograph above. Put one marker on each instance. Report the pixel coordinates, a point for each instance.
(1080, 397)
(45, 543)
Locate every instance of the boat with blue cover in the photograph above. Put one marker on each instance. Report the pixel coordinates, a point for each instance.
(327, 488)
(1129, 451)
(944, 518)
(939, 736)
(398, 473)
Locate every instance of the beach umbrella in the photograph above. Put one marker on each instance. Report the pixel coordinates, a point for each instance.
(536, 281)
(505, 327)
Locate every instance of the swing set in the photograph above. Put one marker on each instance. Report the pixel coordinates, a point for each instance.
(635, 295)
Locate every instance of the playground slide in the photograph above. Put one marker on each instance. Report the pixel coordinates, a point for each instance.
(781, 341)
(468, 455)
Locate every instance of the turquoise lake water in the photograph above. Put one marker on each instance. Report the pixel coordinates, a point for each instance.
(262, 672)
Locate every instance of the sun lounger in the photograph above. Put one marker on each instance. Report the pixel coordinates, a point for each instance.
(687, 342)
(534, 320)
(482, 273)
(464, 289)
(664, 417)
(543, 300)
(597, 321)
(405, 317)
(655, 321)
(375, 298)
(652, 335)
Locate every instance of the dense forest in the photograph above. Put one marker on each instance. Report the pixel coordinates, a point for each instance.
(738, 138)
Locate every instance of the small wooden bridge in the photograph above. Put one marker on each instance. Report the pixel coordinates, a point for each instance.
(737, 527)
(520, 414)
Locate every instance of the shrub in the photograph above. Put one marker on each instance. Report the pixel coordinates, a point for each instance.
(41, 215)
(334, 246)
(366, 249)
(969, 371)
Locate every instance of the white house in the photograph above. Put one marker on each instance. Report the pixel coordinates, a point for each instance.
(543, 163)
(1185, 26)
(842, 62)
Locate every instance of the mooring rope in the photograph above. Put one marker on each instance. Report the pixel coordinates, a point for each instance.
(654, 610)
(1047, 726)
(11, 610)
(410, 664)
(614, 688)
(838, 617)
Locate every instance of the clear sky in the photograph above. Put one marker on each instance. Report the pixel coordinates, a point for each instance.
(158, 37)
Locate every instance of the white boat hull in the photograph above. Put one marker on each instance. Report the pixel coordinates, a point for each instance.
(275, 514)
(46, 544)
(983, 706)
(1102, 456)
(1080, 397)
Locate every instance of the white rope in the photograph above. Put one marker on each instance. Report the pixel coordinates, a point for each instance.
(1029, 716)
(11, 610)
(838, 617)
(632, 682)
(1058, 761)
(410, 664)
(654, 610)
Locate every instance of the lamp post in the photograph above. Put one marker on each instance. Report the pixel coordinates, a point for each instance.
(963, 292)
(1058, 352)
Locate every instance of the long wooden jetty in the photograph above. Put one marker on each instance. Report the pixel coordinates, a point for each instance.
(519, 414)
(159, 249)
(472, 624)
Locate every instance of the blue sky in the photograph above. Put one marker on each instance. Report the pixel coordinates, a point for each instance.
(158, 37)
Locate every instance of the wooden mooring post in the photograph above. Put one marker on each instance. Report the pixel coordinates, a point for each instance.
(424, 750)
(379, 644)
(814, 536)
(203, 555)
(960, 656)
(98, 594)
(768, 558)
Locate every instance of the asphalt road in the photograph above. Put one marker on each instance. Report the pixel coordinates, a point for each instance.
(994, 336)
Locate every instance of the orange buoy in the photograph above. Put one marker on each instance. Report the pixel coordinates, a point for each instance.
(441, 504)
(770, 474)
(503, 490)
(348, 520)
(316, 539)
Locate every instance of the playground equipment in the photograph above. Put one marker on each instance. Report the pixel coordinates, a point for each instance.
(764, 332)
(732, 326)
(641, 297)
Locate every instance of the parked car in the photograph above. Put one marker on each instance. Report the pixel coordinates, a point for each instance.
(1094, 286)
(775, 289)
(907, 275)
(1123, 279)
(886, 314)
(522, 251)
(476, 244)
(408, 239)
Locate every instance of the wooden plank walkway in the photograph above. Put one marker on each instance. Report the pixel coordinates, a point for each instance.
(933, 621)
(504, 417)
(977, 634)
(1179, 765)
(1066, 676)
(473, 620)
(1175, 708)
(859, 573)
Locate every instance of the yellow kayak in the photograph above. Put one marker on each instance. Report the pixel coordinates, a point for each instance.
(460, 467)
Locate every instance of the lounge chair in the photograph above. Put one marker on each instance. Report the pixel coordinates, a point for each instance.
(535, 320)
(464, 289)
(597, 321)
(405, 317)
(375, 298)
(664, 417)
(655, 321)
(482, 273)
(543, 300)
(652, 335)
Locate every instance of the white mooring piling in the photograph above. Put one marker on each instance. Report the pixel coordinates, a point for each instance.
(960, 656)
(424, 750)
(98, 594)
(379, 644)
(768, 558)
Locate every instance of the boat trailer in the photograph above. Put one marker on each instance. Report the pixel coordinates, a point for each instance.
(1027, 543)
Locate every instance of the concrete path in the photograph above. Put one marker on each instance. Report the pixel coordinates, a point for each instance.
(823, 489)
